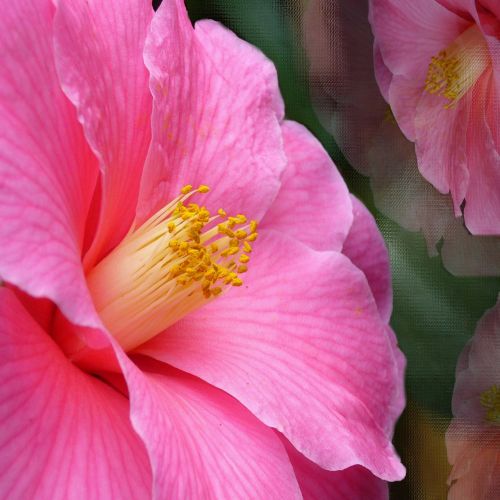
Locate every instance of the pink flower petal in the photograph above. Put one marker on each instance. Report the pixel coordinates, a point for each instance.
(216, 114)
(313, 204)
(201, 442)
(482, 208)
(106, 79)
(491, 5)
(401, 25)
(441, 145)
(404, 96)
(47, 171)
(303, 347)
(64, 434)
(354, 483)
(462, 8)
(366, 249)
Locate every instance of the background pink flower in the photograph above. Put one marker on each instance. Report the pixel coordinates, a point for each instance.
(264, 392)
(473, 438)
(437, 65)
(347, 100)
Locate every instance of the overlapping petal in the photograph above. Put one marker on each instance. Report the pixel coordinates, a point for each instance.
(201, 442)
(366, 249)
(65, 434)
(483, 153)
(107, 81)
(304, 348)
(47, 171)
(216, 114)
(313, 204)
(401, 25)
(354, 483)
(441, 145)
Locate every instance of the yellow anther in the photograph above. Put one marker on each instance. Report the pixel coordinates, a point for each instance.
(222, 212)
(232, 250)
(240, 234)
(247, 247)
(173, 244)
(214, 247)
(217, 291)
(186, 189)
(244, 258)
(242, 268)
(252, 237)
(187, 215)
(203, 189)
(490, 399)
(209, 275)
(236, 282)
(171, 227)
(234, 242)
(253, 226)
(454, 70)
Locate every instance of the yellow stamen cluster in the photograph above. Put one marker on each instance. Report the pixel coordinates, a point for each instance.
(490, 399)
(454, 70)
(179, 259)
(213, 258)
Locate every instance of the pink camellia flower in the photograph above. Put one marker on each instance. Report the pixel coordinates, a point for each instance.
(437, 64)
(348, 102)
(156, 341)
(473, 438)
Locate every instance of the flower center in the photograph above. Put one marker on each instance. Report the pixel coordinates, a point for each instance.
(178, 260)
(490, 399)
(454, 70)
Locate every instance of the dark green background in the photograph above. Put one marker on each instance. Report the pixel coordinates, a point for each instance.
(435, 313)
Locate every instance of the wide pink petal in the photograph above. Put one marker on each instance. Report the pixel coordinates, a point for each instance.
(64, 434)
(366, 249)
(354, 483)
(201, 442)
(301, 345)
(99, 48)
(403, 96)
(47, 171)
(482, 208)
(409, 33)
(313, 204)
(441, 145)
(216, 114)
